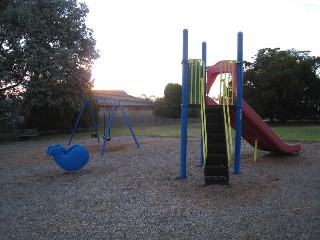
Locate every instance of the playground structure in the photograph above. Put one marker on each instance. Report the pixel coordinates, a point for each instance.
(107, 129)
(218, 116)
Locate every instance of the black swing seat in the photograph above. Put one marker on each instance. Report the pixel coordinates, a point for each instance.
(94, 135)
(108, 138)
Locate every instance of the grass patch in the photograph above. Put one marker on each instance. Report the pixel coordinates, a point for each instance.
(171, 130)
(291, 133)
(296, 133)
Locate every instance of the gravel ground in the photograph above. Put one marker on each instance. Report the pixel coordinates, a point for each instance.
(132, 193)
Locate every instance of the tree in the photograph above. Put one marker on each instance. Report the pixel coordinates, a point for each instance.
(46, 55)
(150, 98)
(170, 105)
(283, 84)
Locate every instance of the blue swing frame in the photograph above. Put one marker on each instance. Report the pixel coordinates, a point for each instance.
(115, 102)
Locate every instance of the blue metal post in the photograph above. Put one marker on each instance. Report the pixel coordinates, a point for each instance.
(93, 121)
(129, 125)
(204, 58)
(78, 120)
(184, 106)
(108, 127)
(239, 105)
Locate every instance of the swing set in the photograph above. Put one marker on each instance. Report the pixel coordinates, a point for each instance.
(107, 128)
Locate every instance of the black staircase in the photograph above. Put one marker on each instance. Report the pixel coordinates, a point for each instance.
(216, 170)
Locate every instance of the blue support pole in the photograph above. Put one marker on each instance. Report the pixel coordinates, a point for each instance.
(184, 106)
(78, 120)
(128, 124)
(239, 104)
(93, 121)
(108, 127)
(204, 58)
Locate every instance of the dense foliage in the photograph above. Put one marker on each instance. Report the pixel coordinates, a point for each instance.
(283, 84)
(46, 55)
(170, 105)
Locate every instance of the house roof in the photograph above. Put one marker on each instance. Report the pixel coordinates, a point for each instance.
(106, 97)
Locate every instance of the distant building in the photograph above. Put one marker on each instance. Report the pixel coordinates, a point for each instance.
(138, 110)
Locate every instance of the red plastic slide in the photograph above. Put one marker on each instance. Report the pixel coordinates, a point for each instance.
(253, 127)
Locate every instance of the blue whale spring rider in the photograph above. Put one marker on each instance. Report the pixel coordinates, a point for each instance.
(71, 159)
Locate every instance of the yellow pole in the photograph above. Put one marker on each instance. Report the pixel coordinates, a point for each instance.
(255, 149)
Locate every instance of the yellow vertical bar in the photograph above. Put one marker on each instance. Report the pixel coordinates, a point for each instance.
(220, 83)
(232, 82)
(228, 116)
(191, 80)
(198, 83)
(255, 150)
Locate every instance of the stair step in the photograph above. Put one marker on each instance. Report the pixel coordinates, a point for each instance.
(215, 118)
(216, 171)
(216, 180)
(214, 109)
(215, 128)
(216, 138)
(217, 148)
(216, 161)
(216, 166)
(217, 156)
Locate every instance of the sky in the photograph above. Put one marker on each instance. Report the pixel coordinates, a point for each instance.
(140, 41)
